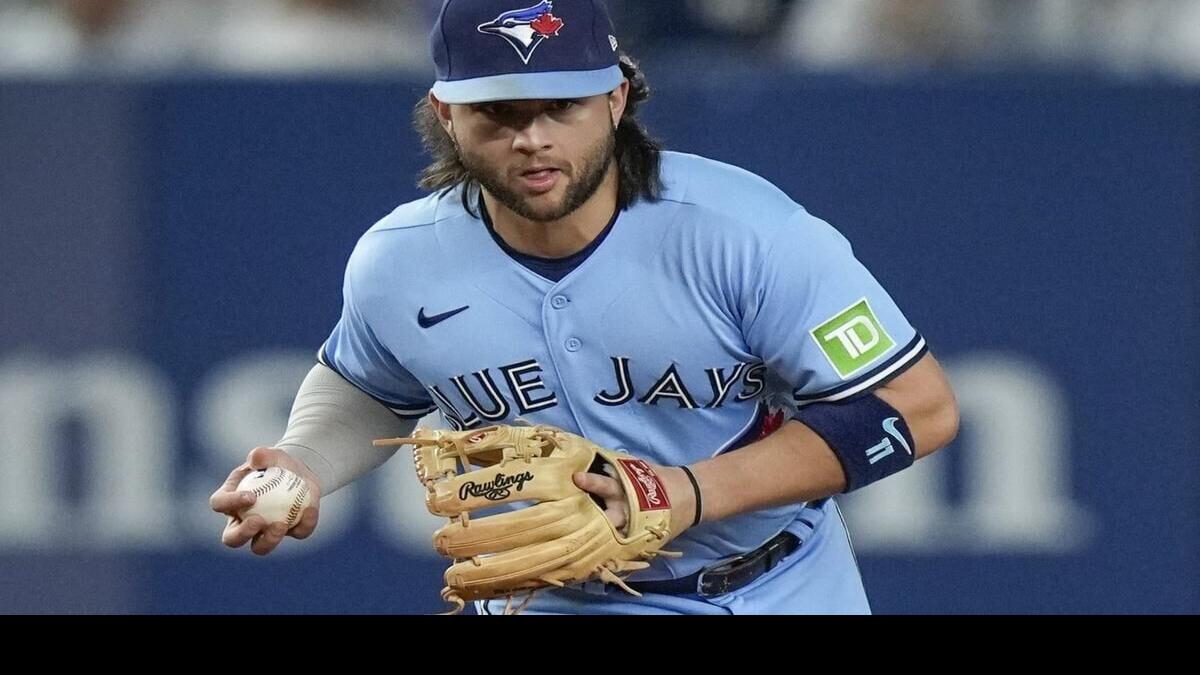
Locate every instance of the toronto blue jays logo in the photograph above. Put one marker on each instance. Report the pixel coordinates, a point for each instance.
(525, 29)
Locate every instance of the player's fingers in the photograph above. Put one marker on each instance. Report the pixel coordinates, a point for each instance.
(266, 541)
(234, 478)
(238, 532)
(225, 499)
(230, 503)
(230, 523)
(308, 523)
(610, 491)
(602, 486)
(618, 513)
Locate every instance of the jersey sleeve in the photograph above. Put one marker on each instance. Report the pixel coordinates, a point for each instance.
(818, 318)
(354, 352)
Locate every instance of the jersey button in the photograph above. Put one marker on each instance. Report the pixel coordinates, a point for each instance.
(558, 301)
(573, 344)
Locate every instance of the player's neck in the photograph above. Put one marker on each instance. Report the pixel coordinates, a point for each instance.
(557, 238)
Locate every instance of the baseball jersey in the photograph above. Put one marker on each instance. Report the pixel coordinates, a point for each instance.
(674, 339)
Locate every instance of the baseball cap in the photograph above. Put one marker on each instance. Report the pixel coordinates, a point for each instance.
(499, 50)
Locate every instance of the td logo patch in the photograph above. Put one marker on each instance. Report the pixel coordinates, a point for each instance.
(853, 339)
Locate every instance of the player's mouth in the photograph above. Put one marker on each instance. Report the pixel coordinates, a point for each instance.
(540, 180)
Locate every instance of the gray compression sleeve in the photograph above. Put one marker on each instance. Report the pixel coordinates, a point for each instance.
(331, 428)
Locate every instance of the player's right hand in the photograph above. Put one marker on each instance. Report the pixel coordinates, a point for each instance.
(263, 536)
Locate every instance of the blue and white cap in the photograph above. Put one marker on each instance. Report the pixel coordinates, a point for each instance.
(502, 50)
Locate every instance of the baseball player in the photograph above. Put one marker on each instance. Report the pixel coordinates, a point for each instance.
(565, 270)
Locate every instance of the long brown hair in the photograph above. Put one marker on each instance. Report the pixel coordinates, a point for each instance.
(639, 156)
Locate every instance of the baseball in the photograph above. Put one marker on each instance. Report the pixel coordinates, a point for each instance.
(282, 496)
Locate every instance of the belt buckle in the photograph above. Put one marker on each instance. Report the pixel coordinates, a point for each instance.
(720, 588)
(724, 567)
(776, 551)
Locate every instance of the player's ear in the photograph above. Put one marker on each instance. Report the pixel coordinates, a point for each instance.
(616, 102)
(442, 110)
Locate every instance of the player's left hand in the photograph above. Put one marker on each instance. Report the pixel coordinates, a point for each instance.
(610, 491)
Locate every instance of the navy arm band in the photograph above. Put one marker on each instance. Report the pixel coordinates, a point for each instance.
(870, 438)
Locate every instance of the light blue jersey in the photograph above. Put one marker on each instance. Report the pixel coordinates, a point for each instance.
(695, 317)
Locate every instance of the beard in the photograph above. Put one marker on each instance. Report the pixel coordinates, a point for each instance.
(593, 168)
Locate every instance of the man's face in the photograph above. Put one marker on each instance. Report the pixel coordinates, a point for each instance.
(542, 159)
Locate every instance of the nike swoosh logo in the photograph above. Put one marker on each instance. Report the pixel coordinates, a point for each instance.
(430, 321)
(889, 425)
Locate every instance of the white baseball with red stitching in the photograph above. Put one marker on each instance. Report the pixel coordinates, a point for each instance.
(282, 496)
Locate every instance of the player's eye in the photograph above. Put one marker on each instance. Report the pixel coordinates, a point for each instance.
(563, 105)
(495, 109)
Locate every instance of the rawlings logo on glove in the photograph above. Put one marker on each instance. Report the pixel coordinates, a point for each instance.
(650, 492)
(496, 490)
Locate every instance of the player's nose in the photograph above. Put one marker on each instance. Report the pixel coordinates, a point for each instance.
(533, 137)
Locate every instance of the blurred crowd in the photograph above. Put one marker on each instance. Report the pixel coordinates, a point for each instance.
(1137, 38)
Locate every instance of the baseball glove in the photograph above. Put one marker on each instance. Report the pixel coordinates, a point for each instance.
(563, 536)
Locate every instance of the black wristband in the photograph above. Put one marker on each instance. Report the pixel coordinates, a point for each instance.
(699, 499)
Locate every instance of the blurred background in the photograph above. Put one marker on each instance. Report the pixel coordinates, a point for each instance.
(181, 183)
